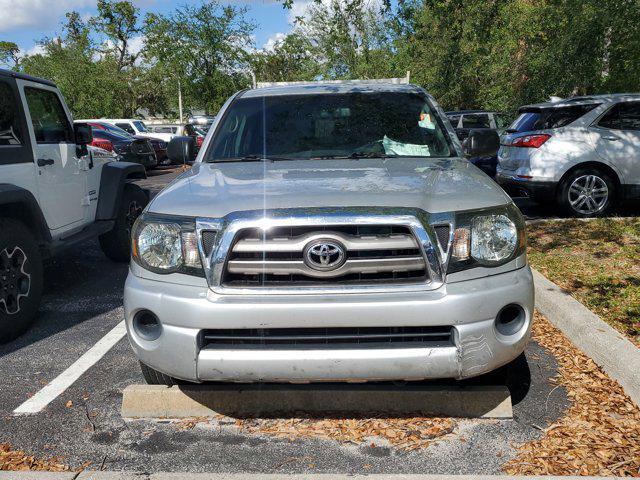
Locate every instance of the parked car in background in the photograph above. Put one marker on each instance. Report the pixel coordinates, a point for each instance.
(132, 127)
(463, 121)
(331, 233)
(202, 121)
(159, 145)
(136, 150)
(582, 153)
(180, 130)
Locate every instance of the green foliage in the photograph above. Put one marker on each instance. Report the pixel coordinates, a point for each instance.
(206, 47)
(9, 52)
(495, 54)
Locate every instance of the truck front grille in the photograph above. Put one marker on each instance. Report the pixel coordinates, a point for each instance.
(341, 337)
(371, 254)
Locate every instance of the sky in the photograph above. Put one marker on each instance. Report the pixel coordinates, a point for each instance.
(27, 21)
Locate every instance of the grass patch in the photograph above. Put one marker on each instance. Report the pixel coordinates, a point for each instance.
(597, 262)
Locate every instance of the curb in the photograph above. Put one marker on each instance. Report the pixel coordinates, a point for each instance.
(114, 475)
(185, 401)
(614, 353)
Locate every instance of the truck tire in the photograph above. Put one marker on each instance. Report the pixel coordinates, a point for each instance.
(20, 279)
(154, 377)
(116, 244)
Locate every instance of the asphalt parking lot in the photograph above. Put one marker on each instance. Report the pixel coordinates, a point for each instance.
(83, 301)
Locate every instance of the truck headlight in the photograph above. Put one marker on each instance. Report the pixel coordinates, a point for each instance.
(166, 245)
(493, 238)
(488, 237)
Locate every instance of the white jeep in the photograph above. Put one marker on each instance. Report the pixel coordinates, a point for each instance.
(54, 192)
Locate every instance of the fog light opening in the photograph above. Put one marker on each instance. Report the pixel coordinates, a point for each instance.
(510, 320)
(147, 325)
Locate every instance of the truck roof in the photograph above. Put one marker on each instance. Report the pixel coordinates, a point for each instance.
(313, 88)
(583, 100)
(24, 76)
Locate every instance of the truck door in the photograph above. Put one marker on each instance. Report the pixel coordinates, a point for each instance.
(61, 178)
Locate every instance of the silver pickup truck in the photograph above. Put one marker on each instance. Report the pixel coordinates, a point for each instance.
(329, 232)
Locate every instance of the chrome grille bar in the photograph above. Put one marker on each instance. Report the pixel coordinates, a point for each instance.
(298, 267)
(351, 242)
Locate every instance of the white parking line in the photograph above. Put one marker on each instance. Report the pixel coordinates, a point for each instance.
(63, 381)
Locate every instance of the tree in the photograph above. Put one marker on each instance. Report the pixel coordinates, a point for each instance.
(292, 58)
(9, 54)
(118, 22)
(204, 47)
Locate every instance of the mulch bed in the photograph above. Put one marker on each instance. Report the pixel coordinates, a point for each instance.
(598, 435)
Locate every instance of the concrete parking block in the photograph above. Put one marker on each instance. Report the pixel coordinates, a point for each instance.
(614, 353)
(156, 401)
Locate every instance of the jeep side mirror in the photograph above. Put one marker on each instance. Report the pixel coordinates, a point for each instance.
(83, 134)
(481, 142)
(182, 150)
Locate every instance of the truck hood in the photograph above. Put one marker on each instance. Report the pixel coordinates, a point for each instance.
(433, 185)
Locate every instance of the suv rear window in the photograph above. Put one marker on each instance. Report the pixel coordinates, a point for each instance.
(548, 118)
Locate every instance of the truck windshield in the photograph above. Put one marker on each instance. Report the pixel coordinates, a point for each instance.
(332, 125)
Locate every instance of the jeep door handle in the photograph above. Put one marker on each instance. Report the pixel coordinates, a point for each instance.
(43, 162)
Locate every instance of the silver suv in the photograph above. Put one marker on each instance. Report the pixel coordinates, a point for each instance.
(582, 153)
(329, 232)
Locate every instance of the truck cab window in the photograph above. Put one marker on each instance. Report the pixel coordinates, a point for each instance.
(49, 120)
(475, 121)
(126, 127)
(10, 133)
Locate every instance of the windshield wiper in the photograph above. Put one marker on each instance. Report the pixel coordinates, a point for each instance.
(251, 158)
(353, 156)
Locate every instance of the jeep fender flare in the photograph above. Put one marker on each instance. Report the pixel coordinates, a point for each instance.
(20, 204)
(113, 178)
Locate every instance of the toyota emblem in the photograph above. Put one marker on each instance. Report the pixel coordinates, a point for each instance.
(324, 255)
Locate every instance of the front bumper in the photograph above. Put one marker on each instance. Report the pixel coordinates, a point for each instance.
(469, 306)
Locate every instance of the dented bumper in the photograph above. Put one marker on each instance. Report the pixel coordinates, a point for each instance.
(469, 307)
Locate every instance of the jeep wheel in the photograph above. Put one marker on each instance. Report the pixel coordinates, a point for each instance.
(587, 193)
(116, 244)
(20, 279)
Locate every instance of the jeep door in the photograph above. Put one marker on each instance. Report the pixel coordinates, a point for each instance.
(617, 139)
(60, 174)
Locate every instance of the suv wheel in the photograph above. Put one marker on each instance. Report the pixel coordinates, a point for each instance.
(587, 193)
(116, 244)
(20, 279)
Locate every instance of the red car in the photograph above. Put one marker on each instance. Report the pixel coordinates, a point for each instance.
(159, 146)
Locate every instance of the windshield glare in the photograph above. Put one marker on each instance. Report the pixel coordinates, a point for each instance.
(330, 126)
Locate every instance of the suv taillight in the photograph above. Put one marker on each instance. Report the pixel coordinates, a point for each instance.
(530, 141)
(104, 144)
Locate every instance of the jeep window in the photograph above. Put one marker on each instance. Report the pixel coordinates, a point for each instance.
(49, 120)
(10, 133)
(623, 116)
(329, 126)
(545, 118)
(480, 120)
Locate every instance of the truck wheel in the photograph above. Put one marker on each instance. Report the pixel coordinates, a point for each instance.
(154, 377)
(20, 279)
(587, 192)
(116, 244)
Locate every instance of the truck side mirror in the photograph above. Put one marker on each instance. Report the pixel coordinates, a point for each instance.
(83, 133)
(182, 150)
(481, 142)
